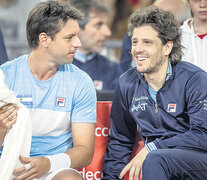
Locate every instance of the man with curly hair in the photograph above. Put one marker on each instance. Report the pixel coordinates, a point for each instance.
(162, 98)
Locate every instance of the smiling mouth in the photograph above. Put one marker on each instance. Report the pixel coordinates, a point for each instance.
(203, 12)
(141, 58)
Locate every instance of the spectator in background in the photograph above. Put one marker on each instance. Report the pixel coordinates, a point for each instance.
(122, 11)
(194, 34)
(93, 34)
(126, 61)
(112, 13)
(137, 4)
(60, 96)
(165, 100)
(3, 54)
(118, 21)
(13, 16)
(178, 7)
(118, 26)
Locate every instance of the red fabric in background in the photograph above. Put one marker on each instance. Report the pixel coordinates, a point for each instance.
(94, 170)
(202, 36)
(133, 1)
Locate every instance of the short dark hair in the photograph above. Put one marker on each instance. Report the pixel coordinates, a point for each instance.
(85, 6)
(49, 17)
(164, 23)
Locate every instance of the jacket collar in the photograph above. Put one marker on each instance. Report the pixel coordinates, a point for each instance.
(79, 56)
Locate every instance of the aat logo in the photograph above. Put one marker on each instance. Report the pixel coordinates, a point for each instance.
(139, 106)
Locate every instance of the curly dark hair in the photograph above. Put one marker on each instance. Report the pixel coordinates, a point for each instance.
(49, 17)
(164, 23)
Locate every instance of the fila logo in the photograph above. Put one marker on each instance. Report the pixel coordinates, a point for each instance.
(60, 102)
(171, 108)
(98, 85)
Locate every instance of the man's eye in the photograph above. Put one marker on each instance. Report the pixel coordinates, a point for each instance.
(69, 38)
(148, 42)
(98, 25)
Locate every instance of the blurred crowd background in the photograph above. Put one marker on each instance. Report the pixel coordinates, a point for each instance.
(13, 15)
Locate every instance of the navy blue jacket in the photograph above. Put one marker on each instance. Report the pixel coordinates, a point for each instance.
(126, 57)
(177, 120)
(101, 69)
(3, 54)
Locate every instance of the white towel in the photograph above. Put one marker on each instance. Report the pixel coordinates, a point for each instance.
(18, 139)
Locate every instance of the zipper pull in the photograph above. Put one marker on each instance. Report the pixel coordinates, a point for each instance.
(156, 108)
(146, 141)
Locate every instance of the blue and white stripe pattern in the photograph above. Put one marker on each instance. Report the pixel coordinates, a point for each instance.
(68, 97)
(150, 146)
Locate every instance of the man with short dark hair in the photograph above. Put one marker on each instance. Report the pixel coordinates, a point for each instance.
(162, 98)
(60, 96)
(93, 34)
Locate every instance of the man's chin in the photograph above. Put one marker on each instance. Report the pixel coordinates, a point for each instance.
(98, 50)
(67, 61)
(142, 70)
(95, 49)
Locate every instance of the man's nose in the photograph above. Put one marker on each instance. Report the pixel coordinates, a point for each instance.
(203, 3)
(77, 43)
(138, 48)
(106, 31)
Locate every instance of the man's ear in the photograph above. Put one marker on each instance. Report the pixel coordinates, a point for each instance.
(44, 39)
(168, 48)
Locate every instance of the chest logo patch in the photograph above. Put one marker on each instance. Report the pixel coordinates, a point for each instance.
(25, 99)
(171, 108)
(60, 102)
(139, 106)
(98, 85)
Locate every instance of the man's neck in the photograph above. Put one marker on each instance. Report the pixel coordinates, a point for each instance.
(84, 51)
(157, 79)
(41, 68)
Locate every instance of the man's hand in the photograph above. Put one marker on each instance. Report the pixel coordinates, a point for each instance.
(8, 116)
(135, 165)
(39, 167)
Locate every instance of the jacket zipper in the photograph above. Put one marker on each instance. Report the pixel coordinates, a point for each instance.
(156, 108)
(146, 141)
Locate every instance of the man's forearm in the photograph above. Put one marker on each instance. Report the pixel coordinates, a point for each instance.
(80, 156)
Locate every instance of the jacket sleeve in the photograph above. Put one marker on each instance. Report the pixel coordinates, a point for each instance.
(196, 107)
(121, 138)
